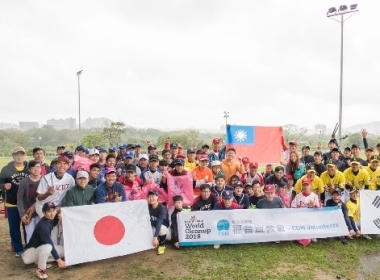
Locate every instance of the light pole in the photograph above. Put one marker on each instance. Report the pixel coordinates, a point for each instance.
(226, 115)
(332, 13)
(80, 128)
(40, 138)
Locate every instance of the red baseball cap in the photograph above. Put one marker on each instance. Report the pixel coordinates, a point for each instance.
(269, 188)
(253, 164)
(245, 160)
(289, 176)
(293, 142)
(180, 156)
(306, 181)
(203, 157)
(64, 159)
(216, 140)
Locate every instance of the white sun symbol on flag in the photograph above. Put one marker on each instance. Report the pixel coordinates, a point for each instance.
(240, 135)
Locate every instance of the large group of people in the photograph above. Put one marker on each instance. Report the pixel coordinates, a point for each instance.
(35, 191)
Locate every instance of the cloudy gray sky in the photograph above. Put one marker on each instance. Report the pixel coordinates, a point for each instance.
(166, 64)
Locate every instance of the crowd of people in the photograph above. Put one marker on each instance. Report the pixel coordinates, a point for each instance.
(35, 191)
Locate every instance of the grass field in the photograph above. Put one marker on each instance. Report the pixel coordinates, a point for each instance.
(326, 259)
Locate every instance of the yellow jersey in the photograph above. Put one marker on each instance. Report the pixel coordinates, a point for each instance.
(317, 185)
(353, 209)
(375, 180)
(337, 180)
(189, 166)
(358, 181)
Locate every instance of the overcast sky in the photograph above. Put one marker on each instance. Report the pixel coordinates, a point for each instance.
(170, 64)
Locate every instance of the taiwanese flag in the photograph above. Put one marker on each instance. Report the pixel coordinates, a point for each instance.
(258, 143)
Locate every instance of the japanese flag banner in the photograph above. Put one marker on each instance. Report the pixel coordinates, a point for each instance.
(101, 231)
(180, 185)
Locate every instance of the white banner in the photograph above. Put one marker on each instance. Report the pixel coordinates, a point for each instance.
(370, 212)
(106, 230)
(259, 225)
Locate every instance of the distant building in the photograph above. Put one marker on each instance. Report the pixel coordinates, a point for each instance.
(96, 123)
(320, 127)
(8, 126)
(59, 124)
(23, 126)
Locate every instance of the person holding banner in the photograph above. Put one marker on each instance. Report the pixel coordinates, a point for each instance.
(373, 172)
(353, 206)
(270, 201)
(205, 201)
(257, 193)
(159, 219)
(336, 201)
(41, 249)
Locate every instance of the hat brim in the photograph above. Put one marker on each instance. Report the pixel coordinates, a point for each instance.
(330, 164)
(354, 162)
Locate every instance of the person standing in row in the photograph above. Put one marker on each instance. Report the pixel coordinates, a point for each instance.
(10, 177)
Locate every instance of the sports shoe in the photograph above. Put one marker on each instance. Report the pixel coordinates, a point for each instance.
(344, 240)
(41, 274)
(161, 250)
(367, 237)
(19, 254)
(216, 246)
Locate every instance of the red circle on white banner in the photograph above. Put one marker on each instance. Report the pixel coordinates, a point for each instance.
(109, 230)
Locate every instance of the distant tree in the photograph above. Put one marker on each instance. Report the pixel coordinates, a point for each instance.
(293, 132)
(92, 140)
(113, 133)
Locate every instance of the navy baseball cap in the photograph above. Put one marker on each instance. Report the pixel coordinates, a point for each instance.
(130, 168)
(112, 150)
(191, 151)
(227, 195)
(122, 146)
(129, 155)
(80, 148)
(337, 190)
(153, 158)
(173, 146)
(178, 161)
(47, 206)
(68, 154)
(152, 147)
(137, 145)
(102, 150)
(130, 146)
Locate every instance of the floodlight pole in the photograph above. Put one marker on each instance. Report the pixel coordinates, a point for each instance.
(79, 128)
(226, 116)
(341, 21)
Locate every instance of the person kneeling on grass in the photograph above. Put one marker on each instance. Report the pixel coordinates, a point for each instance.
(40, 248)
(159, 219)
(353, 207)
(226, 204)
(337, 201)
(178, 207)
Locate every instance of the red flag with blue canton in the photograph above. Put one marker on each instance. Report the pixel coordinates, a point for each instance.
(258, 143)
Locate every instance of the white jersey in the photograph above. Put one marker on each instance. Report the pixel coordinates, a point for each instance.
(301, 201)
(61, 186)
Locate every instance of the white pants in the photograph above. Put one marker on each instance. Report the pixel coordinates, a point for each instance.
(30, 228)
(41, 255)
(163, 230)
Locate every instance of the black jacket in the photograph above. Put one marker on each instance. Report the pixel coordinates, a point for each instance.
(174, 225)
(9, 174)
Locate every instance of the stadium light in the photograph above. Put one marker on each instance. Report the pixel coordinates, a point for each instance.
(332, 13)
(80, 128)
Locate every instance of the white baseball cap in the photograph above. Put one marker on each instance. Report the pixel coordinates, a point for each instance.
(144, 156)
(92, 152)
(82, 174)
(215, 163)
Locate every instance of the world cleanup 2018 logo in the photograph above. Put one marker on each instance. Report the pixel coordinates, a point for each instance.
(223, 227)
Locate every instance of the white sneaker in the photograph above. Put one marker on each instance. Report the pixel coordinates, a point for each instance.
(41, 274)
(367, 237)
(314, 239)
(216, 246)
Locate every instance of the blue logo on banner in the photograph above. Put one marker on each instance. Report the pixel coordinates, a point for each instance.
(223, 227)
